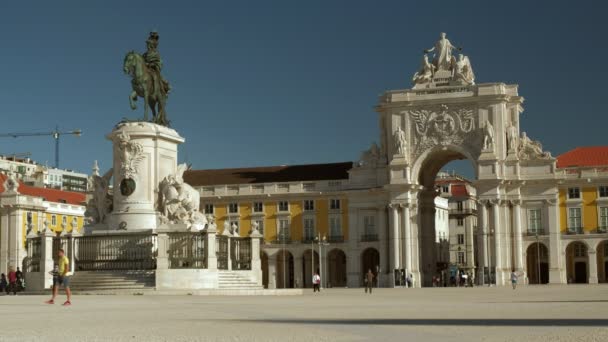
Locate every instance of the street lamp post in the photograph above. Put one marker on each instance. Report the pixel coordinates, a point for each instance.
(322, 242)
(537, 258)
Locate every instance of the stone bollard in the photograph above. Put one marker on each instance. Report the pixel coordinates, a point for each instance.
(256, 262)
(211, 248)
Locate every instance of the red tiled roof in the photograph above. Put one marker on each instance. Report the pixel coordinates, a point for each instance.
(49, 195)
(459, 190)
(584, 157)
(268, 174)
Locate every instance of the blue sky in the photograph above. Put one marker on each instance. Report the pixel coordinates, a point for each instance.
(281, 82)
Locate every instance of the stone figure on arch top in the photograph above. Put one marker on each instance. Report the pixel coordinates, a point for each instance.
(462, 71)
(425, 73)
(442, 58)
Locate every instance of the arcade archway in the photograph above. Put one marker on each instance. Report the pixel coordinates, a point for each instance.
(446, 247)
(537, 263)
(308, 268)
(284, 271)
(602, 262)
(370, 260)
(336, 263)
(264, 262)
(577, 263)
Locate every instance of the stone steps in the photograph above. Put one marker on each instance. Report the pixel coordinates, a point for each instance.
(231, 280)
(108, 280)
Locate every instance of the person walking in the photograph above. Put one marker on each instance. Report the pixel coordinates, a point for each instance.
(513, 279)
(369, 281)
(3, 283)
(62, 279)
(316, 282)
(12, 282)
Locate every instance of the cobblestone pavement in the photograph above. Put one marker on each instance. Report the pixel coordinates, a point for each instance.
(545, 313)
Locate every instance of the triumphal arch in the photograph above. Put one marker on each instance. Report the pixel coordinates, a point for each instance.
(446, 116)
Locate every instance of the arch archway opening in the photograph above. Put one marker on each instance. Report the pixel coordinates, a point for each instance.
(284, 270)
(577, 263)
(447, 218)
(537, 263)
(308, 268)
(336, 263)
(370, 260)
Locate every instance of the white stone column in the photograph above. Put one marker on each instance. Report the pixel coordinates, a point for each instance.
(483, 248)
(407, 241)
(495, 204)
(353, 269)
(592, 256)
(384, 253)
(518, 236)
(4, 237)
(394, 242)
(557, 265)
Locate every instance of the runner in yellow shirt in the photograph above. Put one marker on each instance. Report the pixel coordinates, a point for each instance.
(62, 278)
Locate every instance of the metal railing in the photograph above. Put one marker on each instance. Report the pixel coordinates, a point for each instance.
(369, 237)
(115, 252)
(59, 242)
(335, 238)
(221, 252)
(532, 232)
(187, 250)
(463, 211)
(34, 252)
(574, 230)
(240, 253)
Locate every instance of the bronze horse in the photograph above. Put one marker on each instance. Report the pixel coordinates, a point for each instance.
(146, 83)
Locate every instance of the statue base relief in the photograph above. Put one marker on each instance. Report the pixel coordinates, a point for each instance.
(144, 154)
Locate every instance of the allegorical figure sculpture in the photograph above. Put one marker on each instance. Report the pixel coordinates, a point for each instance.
(488, 137)
(531, 149)
(445, 69)
(425, 73)
(179, 202)
(442, 57)
(462, 71)
(147, 81)
(101, 203)
(400, 141)
(512, 138)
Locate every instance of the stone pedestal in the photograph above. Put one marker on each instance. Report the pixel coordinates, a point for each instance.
(144, 154)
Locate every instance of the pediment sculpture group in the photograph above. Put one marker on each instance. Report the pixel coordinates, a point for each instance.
(444, 66)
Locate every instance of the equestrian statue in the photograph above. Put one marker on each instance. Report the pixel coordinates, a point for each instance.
(147, 81)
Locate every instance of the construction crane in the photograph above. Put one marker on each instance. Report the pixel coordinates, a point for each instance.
(55, 134)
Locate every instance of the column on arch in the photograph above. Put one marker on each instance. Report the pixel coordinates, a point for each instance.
(518, 236)
(272, 271)
(557, 263)
(383, 234)
(482, 233)
(497, 234)
(393, 241)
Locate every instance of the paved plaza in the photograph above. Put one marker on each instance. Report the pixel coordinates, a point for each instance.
(547, 313)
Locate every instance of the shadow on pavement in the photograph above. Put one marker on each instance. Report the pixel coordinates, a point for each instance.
(442, 322)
